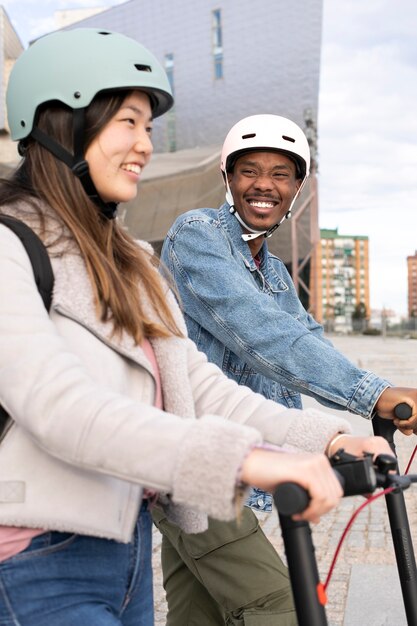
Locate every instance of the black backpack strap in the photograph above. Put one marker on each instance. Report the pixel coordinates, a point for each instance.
(39, 258)
(4, 418)
(42, 270)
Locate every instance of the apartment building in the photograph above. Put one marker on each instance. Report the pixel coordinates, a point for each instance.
(412, 285)
(342, 279)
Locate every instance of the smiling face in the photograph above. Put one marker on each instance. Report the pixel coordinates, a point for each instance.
(117, 156)
(263, 186)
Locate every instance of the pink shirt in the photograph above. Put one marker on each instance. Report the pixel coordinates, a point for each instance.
(14, 539)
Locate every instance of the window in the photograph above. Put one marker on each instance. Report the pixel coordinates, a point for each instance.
(169, 69)
(170, 116)
(217, 43)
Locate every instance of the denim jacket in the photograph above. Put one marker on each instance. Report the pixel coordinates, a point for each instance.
(251, 323)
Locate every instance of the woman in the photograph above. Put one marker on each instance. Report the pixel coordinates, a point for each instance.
(104, 391)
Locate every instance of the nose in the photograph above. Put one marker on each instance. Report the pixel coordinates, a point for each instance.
(144, 144)
(263, 182)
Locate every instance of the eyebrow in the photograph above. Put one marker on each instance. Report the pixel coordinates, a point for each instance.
(282, 166)
(135, 109)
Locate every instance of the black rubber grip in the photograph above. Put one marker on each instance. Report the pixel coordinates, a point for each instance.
(291, 498)
(403, 411)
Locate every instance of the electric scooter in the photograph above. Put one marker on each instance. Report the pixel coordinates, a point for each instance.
(358, 476)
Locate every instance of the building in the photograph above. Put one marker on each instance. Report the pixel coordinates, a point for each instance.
(65, 17)
(412, 285)
(10, 48)
(342, 279)
(225, 59)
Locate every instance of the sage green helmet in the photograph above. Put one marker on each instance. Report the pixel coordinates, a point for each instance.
(72, 66)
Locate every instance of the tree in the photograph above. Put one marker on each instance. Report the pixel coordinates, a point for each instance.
(359, 316)
(359, 312)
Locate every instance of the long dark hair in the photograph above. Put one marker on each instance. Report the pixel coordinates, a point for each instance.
(119, 269)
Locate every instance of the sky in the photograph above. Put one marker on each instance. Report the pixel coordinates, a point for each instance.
(32, 18)
(367, 126)
(368, 135)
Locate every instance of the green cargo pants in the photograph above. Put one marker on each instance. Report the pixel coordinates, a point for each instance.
(228, 575)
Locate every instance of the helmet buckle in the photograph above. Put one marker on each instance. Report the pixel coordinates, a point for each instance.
(80, 169)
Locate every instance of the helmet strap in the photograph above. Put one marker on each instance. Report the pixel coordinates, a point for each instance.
(253, 233)
(77, 163)
(229, 199)
(257, 233)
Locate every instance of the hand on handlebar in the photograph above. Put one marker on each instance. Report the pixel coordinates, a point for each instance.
(266, 470)
(358, 446)
(390, 399)
(357, 475)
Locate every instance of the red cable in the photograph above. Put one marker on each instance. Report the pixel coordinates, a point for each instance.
(411, 460)
(354, 516)
(348, 526)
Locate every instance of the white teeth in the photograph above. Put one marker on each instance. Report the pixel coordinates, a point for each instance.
(131, 167)
(262, 205)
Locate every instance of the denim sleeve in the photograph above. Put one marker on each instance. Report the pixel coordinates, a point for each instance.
(219, 293)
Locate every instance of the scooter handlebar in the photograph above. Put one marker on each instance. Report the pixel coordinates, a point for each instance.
(291, 498)
(357, 476)
(403, 411)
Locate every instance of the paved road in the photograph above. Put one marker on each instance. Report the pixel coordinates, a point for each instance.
(364, 588)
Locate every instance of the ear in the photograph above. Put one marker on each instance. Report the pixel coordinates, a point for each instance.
(229, 176)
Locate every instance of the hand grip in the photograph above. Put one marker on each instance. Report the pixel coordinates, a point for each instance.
(403, 411)
(291, 498)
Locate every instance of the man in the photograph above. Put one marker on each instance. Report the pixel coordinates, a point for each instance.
(242, 310)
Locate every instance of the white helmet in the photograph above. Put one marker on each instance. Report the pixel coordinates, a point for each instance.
(265, 132)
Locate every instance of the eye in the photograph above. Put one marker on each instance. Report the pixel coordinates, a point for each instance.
(149, 130)
(129, 120)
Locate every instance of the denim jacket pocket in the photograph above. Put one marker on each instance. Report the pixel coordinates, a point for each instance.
(275, 282)
(236, 369)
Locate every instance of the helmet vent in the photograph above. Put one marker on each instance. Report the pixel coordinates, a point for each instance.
(249, 136)
(288, 138)
(143, 68)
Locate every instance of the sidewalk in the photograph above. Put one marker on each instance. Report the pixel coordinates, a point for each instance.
(365, 580)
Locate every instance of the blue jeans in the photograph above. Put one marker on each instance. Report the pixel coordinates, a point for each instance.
(63, 579)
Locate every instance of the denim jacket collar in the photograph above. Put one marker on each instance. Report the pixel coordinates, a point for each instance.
(234, 230)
